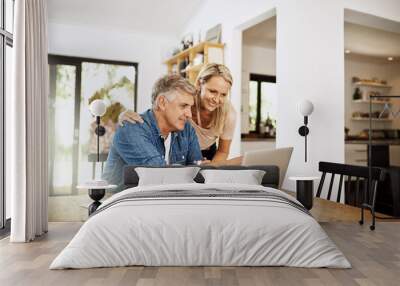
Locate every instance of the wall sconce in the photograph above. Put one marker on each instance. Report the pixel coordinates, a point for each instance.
(98, 109)
(305, 108)
(97, 188)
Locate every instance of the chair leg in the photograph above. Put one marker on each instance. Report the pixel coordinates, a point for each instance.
(361, 221)
(372, 227)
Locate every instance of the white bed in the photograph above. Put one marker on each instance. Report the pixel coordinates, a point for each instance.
(207, 230)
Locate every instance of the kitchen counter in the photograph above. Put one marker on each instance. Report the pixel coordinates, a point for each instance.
(258, 139)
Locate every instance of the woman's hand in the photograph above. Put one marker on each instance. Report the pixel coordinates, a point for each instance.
(129, 116)
(223, 151)
(202, 162)
(205, 162)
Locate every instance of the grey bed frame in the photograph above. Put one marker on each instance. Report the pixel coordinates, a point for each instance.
(270, 179)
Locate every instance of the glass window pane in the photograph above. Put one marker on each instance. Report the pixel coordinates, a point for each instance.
(116, 85)
(269, 104)
(62, 133)
(63, 204)
(252, 105)
(9, 15)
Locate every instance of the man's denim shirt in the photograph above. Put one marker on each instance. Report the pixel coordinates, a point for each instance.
(142, 144)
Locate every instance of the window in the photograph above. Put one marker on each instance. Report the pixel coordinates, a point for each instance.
(74, 83)
(262, 105)
(6, 43)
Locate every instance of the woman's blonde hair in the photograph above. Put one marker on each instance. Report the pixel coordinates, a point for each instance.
(207, 72)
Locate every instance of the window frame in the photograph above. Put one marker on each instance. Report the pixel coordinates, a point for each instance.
(6, 39)
(54, 59)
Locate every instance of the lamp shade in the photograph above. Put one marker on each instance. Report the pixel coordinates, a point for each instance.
(306, 107)
(97, 107)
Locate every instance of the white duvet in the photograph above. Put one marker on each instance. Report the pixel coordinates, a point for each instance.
(200, 231)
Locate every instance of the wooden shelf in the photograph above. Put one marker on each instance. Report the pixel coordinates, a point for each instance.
(192, 51)
(372, 84)
(373, 119)
(373, 101)
(212, 52)
(195, 68)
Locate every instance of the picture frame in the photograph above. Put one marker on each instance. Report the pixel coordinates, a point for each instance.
(213, 35)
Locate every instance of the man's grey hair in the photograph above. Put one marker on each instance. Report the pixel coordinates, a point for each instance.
(166, 86)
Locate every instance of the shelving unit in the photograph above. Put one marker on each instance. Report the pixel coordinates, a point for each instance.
(186, 63)
(374, 90)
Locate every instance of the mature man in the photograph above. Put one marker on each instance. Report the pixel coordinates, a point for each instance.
(166, 137)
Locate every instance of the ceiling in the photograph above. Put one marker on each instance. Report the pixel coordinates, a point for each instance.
(370, 41)
(261, 35)
(151, 16)
(364, 34)
(358, 38)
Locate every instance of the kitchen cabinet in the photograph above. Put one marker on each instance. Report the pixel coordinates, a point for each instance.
(394, 151)
(356, 154)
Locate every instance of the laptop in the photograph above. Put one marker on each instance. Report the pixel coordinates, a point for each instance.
(279, 157)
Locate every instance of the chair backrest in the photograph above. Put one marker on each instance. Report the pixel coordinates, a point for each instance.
(351, 171)
(279, 157)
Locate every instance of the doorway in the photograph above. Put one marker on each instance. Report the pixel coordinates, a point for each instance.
(259, 86)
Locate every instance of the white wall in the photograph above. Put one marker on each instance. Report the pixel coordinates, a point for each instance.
(309, 64)
(145, 49)
(259, 60)
(239, 13)
(256, 60)
(367, 69)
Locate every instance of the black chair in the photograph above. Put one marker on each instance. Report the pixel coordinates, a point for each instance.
(358, 172)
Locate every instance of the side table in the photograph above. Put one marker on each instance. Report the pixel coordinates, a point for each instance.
(96, 193)
(305, 190)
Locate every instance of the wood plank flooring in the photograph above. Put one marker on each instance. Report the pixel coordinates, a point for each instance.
(374, 255)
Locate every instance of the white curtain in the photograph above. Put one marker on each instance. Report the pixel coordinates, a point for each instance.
(28, 163)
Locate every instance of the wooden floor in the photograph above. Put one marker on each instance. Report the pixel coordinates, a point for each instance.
(374, 255)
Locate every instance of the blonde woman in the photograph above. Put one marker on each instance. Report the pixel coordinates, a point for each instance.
(213, 116)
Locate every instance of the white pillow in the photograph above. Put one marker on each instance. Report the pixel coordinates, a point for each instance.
(249, 177)
(166, 176)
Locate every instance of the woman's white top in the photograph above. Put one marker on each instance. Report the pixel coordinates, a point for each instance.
(208, 136)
